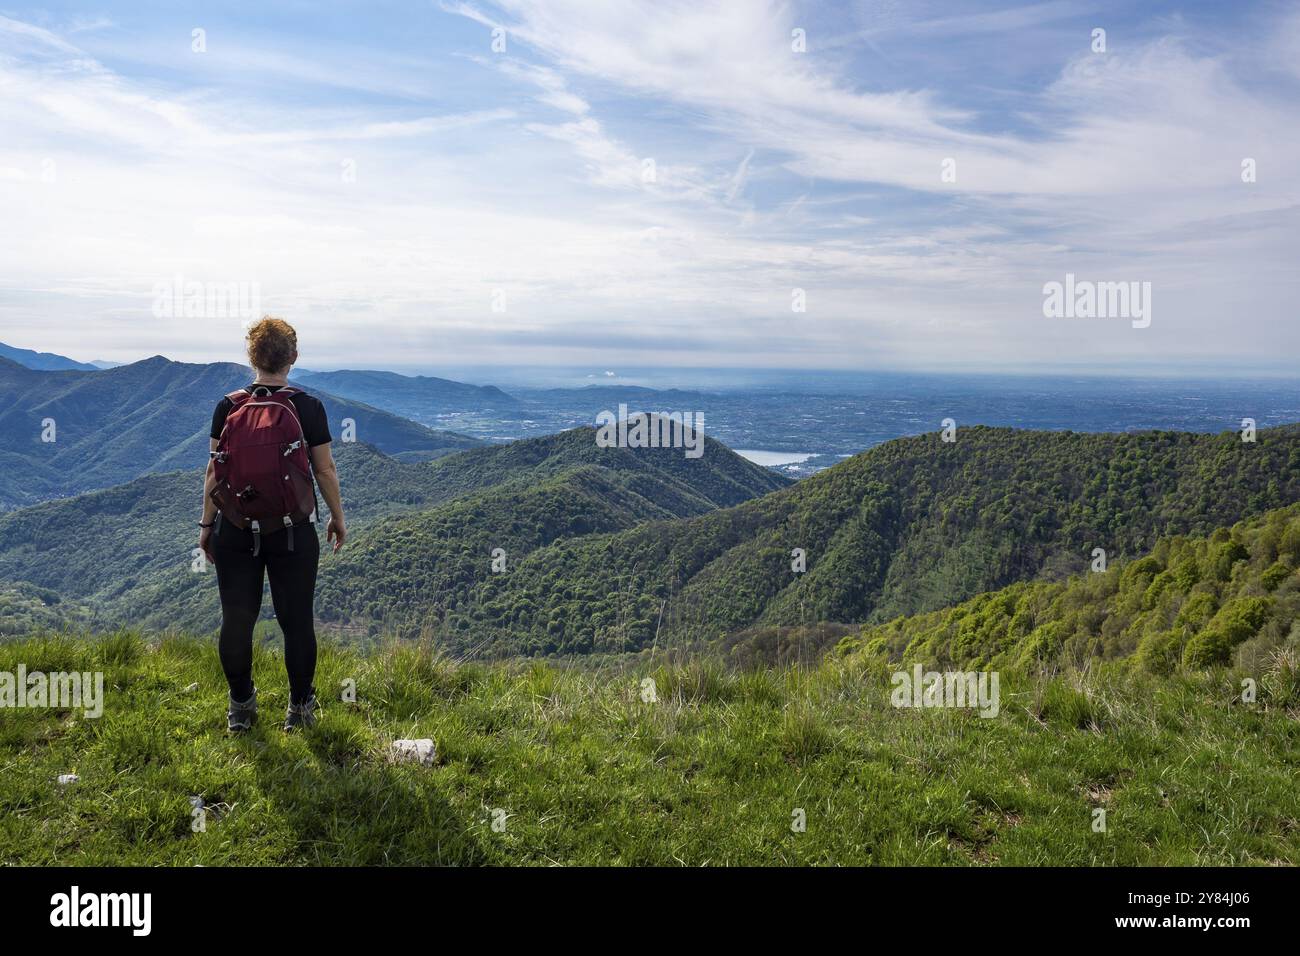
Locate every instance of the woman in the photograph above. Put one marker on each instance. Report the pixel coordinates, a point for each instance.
(288, 553)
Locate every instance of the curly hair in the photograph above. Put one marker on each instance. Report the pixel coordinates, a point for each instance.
(272, 343)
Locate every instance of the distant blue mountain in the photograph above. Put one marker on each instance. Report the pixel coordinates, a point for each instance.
(418, 397)
(43, 361)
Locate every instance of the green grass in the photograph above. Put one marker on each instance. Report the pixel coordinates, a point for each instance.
(587, 772)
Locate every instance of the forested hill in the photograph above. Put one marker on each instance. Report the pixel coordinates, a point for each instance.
(150, 416)
(1192, 602)
(103, 544)
(719, 477)
(913, 525)
(123, 555)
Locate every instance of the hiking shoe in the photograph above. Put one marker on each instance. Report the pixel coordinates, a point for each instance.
(301, 715)
(240, 716)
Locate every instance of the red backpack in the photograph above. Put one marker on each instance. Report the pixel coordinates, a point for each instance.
(262, 471)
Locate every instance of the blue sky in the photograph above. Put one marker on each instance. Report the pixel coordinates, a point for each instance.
(411, 197)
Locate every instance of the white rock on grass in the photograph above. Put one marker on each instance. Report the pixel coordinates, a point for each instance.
(192, 688)
(413, 751)
(67, 778)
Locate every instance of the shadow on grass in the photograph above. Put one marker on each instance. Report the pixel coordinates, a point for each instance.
(347, 806)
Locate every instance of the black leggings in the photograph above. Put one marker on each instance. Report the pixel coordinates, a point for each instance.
(293, 588)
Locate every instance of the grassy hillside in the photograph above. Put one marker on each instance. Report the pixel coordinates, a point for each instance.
(150, 416)
(909, 526)
(1191, 602)
(125, 551)
(582, 770)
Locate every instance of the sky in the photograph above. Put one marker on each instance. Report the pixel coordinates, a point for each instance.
(871, 185)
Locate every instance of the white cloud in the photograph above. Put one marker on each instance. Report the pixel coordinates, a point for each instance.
(773, 170)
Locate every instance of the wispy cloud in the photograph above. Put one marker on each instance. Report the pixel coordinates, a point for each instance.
(631, 170)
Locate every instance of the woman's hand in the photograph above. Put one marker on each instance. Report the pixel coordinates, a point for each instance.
(336, 531)
(205, 544)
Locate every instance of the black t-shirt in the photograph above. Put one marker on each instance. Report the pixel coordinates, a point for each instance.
(315, 424)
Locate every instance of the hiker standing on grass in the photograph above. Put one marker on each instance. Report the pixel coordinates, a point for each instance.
(259, 513)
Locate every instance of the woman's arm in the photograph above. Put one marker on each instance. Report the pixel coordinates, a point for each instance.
(327, 478)
(209, 507)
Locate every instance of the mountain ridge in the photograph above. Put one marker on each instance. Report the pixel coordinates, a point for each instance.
(43, 361)
(422, 398)
(137, 567)
(154, 415)
(908, 526)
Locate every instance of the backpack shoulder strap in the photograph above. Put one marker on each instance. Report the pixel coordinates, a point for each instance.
(253, 392)
(238, 396)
